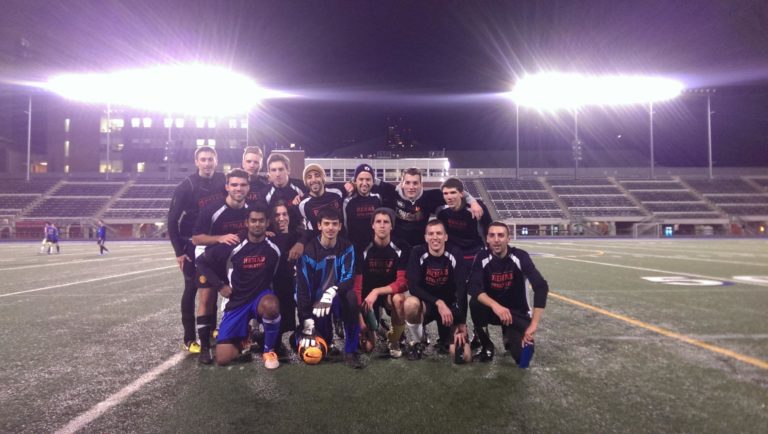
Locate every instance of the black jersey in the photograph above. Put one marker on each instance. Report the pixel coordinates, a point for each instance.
(250, 266)
(287, 193)
(503, 279)
(320, 268)
(190, 196)
(379, 266)
(432, 278)
(463, 230)
(258, 189)
(218, 218)
(310, 206)
(411, 216)
(285, 270)
(358, 211)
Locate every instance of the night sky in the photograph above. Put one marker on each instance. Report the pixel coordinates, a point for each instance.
(440, 65)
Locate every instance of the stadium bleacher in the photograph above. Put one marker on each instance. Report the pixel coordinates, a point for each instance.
(726, 185)
(87, 189)
(71, 207)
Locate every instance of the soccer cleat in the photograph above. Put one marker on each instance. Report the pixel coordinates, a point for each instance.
(215, 333)
(475, 343)
(270, 360)
(334, 351)
(485, 354)
(205, 356)
(415, 351)
(353, 361)
(394, 350)
(192, 347)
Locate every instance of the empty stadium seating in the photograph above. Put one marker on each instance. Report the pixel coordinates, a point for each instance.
(88, 189)
(74, 207)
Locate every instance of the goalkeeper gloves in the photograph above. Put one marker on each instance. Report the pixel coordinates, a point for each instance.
(308, 332)
(323, 307)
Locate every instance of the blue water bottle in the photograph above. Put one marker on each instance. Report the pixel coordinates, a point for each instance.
(525, 356)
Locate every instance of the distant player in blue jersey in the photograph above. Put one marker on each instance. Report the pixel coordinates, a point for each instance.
(101, 234)
(250, 265)
(52, 238)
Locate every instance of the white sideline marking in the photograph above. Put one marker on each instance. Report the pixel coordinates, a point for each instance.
(80, 261)
(88, 281)
(655, 270)
(97, 410)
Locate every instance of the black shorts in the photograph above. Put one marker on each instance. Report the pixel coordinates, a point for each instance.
(432, 314)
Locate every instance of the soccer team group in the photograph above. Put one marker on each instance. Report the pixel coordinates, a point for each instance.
(315, 259)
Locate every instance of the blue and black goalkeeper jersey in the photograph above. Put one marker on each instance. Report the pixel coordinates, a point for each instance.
(250, 266)
(320, 268)
(432, 278)
(190, 196)
(101, 233)
(503, 279)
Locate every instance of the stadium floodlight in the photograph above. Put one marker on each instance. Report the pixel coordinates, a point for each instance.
(552, 91)
(192, 89)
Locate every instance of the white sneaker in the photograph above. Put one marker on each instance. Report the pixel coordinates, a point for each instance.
(270, 360)
(394, 350)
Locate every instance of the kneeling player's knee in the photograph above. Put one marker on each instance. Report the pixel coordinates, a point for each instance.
(412, 307)
(398, 301)
(269, 307)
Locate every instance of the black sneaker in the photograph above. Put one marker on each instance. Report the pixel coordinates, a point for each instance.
(475, 343)
(485, 354)
(334, 351)
(415, 351)
(205, 356)
(353, 361)
(443, 348)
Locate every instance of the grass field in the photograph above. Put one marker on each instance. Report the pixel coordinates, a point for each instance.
(91, 344)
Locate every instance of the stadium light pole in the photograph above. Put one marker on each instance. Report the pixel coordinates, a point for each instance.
(576, 145)
(168, 145)
(29, 138)
(650, 126)
(109, 135)
(709, 131)
(517, 141)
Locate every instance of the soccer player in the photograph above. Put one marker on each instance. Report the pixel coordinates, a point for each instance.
(497, 284)
(250, 265)
(101, 234)
(319, 197)
(464, 231)
(285, 279)
(52, 238)
(44, 243)
(414, 205)
(324, 284)
(283, 188)
(380, 281)
(437, 282)
(218, 223)
(252, 158)
(191, 195)
(359, 207)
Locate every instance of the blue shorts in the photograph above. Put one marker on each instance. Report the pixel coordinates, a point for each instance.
(234, 323)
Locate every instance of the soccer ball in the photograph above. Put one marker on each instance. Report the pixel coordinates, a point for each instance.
(313, 354)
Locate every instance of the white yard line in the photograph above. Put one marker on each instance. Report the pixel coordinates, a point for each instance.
(79, 282)
(82, 261)
(656, 270)
(99, 409)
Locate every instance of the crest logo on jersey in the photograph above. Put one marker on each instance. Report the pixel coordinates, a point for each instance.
(202, 279)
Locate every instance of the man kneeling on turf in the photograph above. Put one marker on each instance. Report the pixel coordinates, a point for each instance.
(437, 281)
(497, 285)
(251, 265)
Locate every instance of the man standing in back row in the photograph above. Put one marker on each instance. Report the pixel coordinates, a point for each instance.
(191, 195)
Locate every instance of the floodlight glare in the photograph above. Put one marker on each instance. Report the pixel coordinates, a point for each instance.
(183, 89)
(550, 91)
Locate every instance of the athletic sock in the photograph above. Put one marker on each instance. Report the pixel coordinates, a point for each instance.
(205, 325)
(395, 332)
(351, 337)
(416, 332)
(271, 333)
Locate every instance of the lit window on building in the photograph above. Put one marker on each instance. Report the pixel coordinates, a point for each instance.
(200, 142)
(167, 122)
(118, 147)
(227, 168)
(66, 148)
(141, 166)
(147, 122)
(211, 123)
(200, 123)
(135, 122)
(244, 123)
(212, 143)
(117, 124)
(66, 168)
(233, 123)
(179, 123)
(66, 125)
